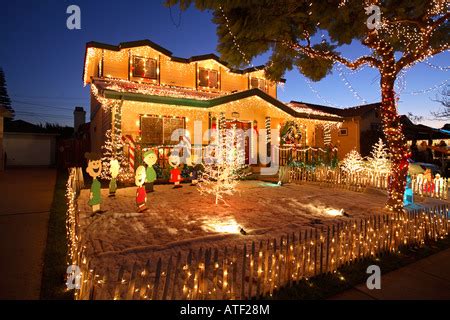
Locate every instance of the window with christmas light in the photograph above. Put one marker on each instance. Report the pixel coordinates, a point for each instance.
(144, 67)
(258, 83)
(156, 130)
(208, 78)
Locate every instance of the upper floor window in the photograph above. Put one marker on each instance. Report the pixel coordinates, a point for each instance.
(258, 83)
(208, 78)
(144, 67)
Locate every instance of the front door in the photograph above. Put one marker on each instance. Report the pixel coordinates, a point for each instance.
(245, 127)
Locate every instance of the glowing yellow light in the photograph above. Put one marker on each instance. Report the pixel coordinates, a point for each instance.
(221, 226)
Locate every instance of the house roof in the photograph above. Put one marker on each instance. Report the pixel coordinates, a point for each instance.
(215, 101)
(356, 111)
(421, 132)
(151, 44)
(152, 89)
(23, 127)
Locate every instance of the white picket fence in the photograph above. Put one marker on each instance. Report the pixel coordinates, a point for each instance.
(436, 188)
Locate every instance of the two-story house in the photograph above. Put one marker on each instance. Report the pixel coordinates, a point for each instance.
(157, 92)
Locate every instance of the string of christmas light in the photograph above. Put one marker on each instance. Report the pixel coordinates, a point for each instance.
(436, 67)
(318, 95)
(431, 89)
(348, 85)
(234, 39)
(298, 148)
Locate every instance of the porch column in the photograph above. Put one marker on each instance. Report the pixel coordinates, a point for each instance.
(268, 136)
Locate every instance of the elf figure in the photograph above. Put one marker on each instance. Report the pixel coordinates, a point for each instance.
(114, 167)
(150, 159)
(197, 168)
(94, 169)
(175, 173)
(141, 195)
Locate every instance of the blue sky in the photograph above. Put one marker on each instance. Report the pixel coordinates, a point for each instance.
(43, 60)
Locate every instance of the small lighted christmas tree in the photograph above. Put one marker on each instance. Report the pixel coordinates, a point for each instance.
(221, 176)
(378, 162)
(352, 163)
(113, 149)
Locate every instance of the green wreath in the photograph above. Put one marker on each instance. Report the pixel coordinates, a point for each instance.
(290, 133)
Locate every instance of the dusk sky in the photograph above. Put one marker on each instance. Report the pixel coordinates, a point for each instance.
(43, 60)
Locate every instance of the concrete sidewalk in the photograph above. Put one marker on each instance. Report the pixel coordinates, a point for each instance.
(426, 279)
(25, 199)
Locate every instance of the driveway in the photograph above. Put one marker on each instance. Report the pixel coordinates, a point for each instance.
(426, 279)
(25, 199)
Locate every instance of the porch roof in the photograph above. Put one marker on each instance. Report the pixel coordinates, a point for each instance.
(215, 101)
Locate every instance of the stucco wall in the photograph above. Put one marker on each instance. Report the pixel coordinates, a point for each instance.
(345, 143)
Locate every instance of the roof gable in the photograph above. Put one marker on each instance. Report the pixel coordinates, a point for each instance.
(111, 94)
(151, 44)
(356, 111)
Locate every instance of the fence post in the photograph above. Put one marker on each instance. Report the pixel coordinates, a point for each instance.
(175, 278)
(244, 268)
(157, 280)
(168, 275)
(131, 283)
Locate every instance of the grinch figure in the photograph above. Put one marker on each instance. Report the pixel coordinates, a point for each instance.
(141, 195)
(150, 159)
(94, 169)
(175, 173)
(114, 167)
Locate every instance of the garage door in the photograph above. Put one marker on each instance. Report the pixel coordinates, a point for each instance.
(29, 150)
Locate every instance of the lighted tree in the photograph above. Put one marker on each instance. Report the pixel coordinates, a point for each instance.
(113, 149)
(306, 35)
(352, 163)
(378, 162)
(221, 175)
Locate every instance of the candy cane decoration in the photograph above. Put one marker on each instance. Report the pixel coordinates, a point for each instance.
(131, 150)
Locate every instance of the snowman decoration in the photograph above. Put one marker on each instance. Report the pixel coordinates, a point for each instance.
(175, 173)
(114, 168)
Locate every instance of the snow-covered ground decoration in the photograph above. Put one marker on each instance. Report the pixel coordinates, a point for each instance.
(378, 162)
(226, 166)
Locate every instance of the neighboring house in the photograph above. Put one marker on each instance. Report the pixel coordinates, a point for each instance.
(4, 113)
(360, 129)
(28, 145)
(157, 92)
(420, 132)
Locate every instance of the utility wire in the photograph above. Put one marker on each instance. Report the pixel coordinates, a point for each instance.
(42, 105)
(47, 98)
